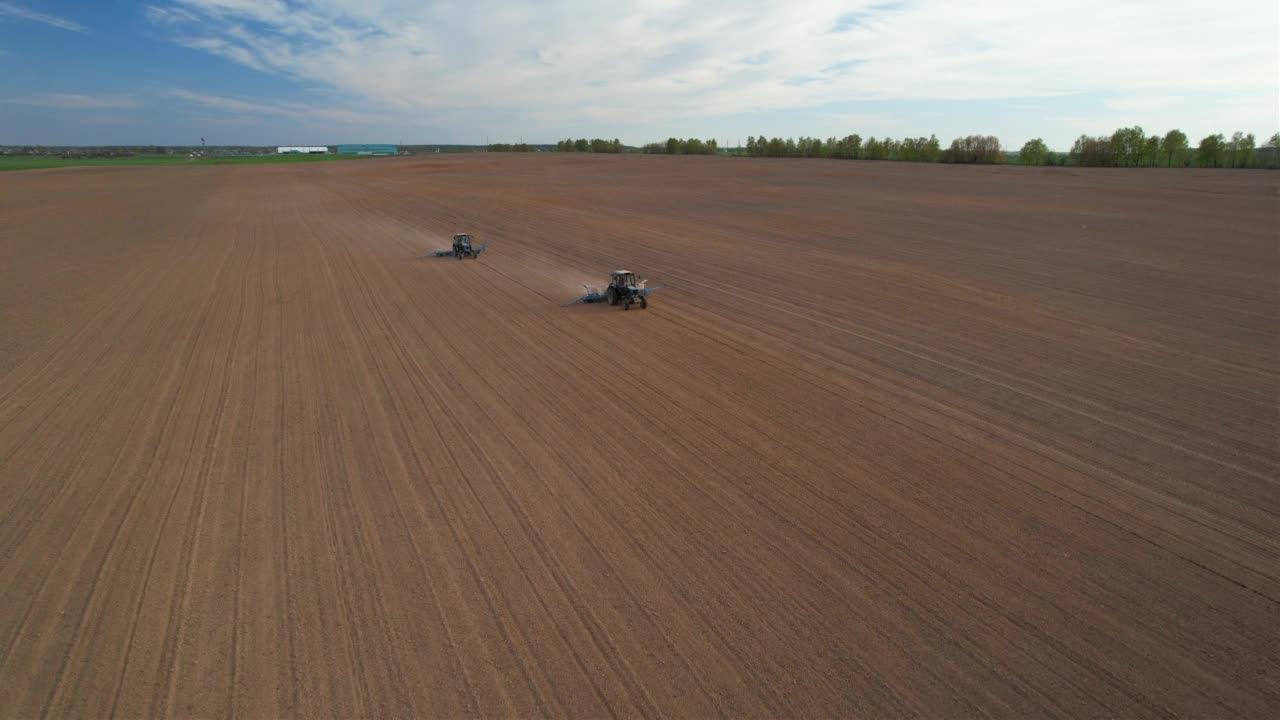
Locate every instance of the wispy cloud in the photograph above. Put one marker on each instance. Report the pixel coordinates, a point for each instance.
(846, 22)
(226, 121)
(229, 50)
(647, 63)
(1142, 102)
(219, 102)
(843, 66)
(168, 16)
(244, 108)
(71, 101)
(18, 11)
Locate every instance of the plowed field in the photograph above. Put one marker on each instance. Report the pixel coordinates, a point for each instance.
(895, 440)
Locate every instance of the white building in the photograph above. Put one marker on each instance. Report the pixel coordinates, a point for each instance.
(303, 149)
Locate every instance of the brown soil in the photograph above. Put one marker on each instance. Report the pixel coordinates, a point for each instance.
(896, 440)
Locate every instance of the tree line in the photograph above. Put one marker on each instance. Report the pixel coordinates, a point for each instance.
(1132, 147)
(677, 146)
(971, 149)
(595, 145)
(512, 147)
(1126, 147)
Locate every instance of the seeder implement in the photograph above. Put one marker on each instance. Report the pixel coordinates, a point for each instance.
(461, 248)
(623, 289)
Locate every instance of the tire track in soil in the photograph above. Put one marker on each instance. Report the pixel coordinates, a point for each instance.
(894, 441)
(88, 547)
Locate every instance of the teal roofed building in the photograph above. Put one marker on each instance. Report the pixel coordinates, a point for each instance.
(368, 149)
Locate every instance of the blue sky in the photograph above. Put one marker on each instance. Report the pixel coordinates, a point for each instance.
(330, 71)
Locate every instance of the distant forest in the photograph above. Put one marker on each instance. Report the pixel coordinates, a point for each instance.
(1126, 147)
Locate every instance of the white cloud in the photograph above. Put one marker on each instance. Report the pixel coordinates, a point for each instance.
(1143, 103)
(228, 121)
(168, 16)
(218, 102)
(645, 63)
(283, 109)
(70, 101)
(228, 50)
(14, 10)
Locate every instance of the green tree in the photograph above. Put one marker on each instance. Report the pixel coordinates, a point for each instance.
(904, 150)
(974, 149)
(1033, 152)
(1240, 149)
(580, 145)
(932, 149)
(751, 145)
(1174, 146)
(1151, 151)
(1209, 153)
(1231, 149)
(1271, 152)
(1248, 150)
(1092, 152)
(1127, 145)
(855, 145)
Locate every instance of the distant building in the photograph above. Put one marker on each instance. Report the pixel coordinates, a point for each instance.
(302, 150)
(368, 149)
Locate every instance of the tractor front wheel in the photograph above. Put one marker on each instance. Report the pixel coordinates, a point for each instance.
(644, 302)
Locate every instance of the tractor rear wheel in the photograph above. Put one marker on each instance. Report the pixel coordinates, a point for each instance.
(613, 296)
(626, 305)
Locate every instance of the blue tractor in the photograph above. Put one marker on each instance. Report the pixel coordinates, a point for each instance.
(461, 248)
(623, 289)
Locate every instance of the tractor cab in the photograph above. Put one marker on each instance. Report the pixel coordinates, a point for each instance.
(462, 247)
(624, 289)
(623, 280)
